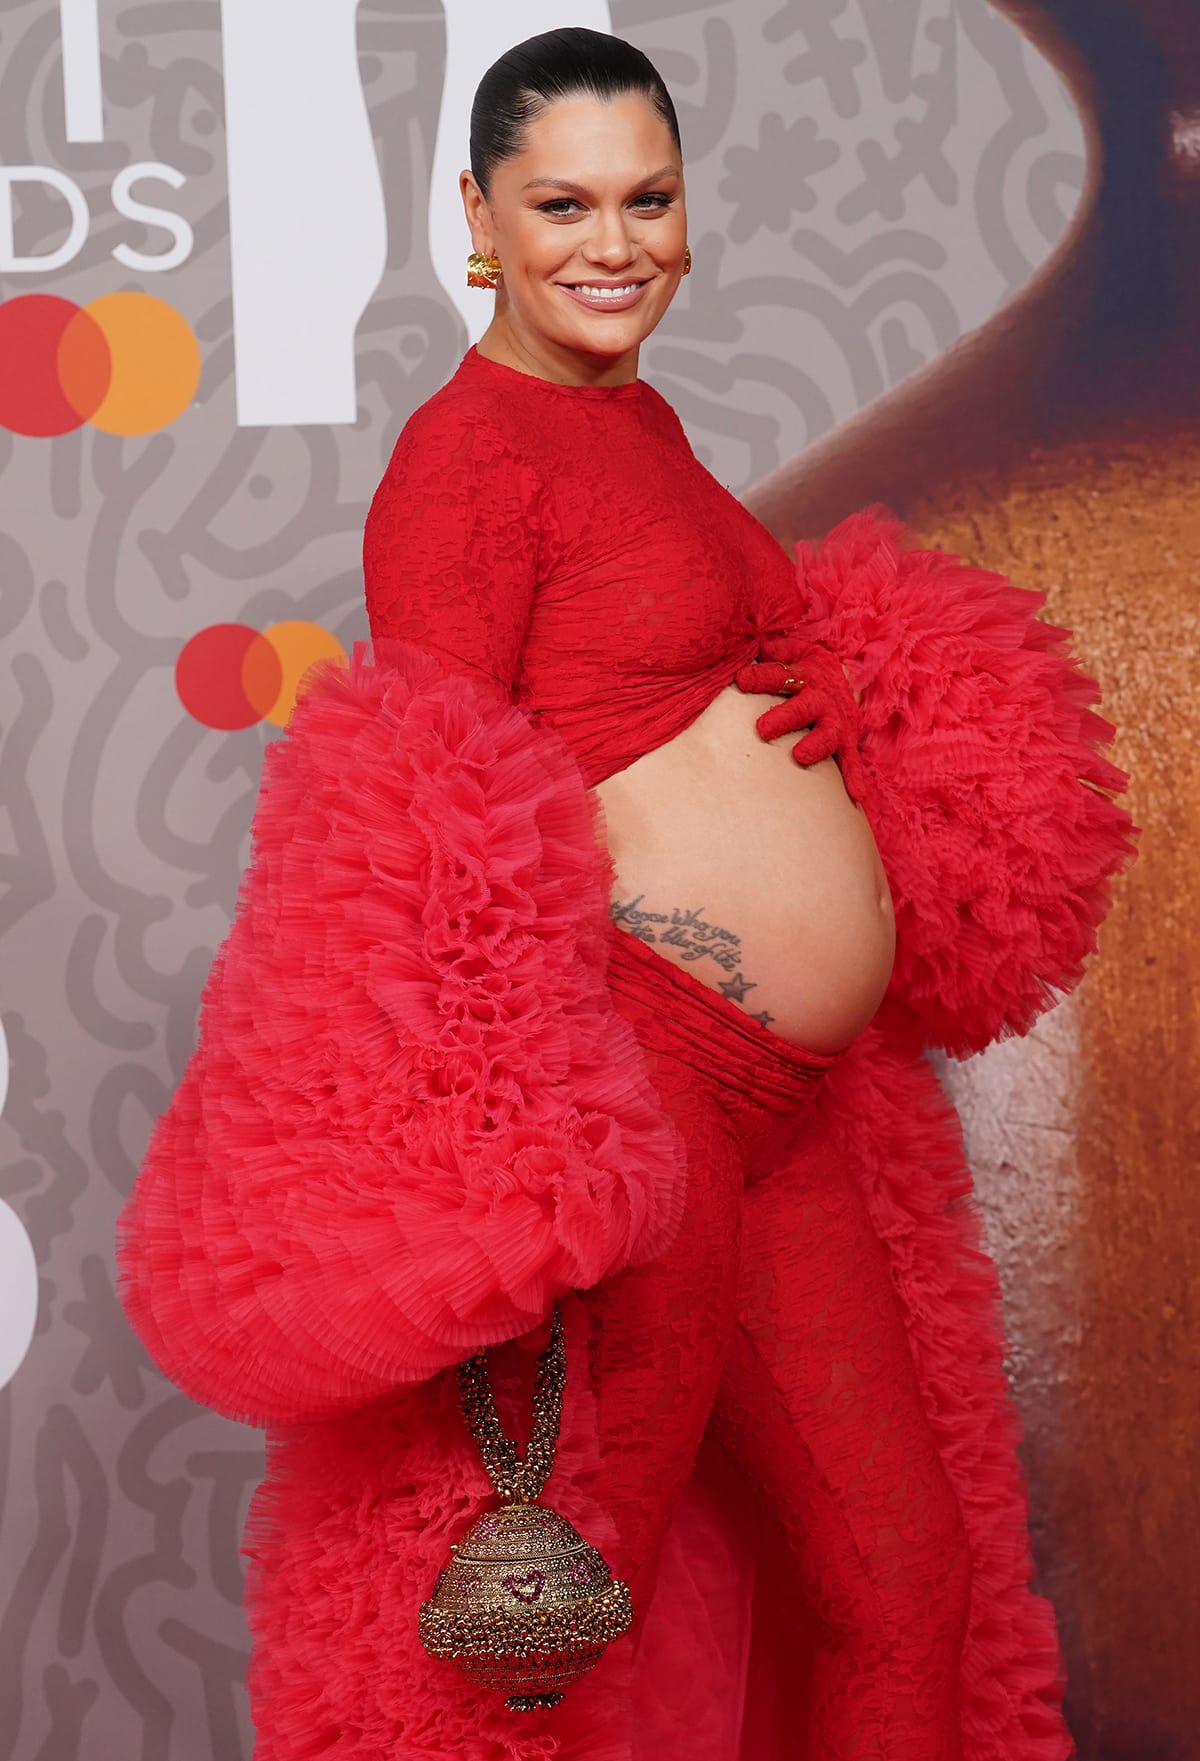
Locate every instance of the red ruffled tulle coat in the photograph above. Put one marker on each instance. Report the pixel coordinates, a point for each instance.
(365, 1175)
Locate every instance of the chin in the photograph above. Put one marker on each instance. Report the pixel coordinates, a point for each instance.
(606, 337)
(603, 341)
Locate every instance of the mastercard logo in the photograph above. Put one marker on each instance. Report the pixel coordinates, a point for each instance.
(230, 676)
(127, 363)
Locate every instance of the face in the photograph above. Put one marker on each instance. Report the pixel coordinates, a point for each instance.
(589, 224)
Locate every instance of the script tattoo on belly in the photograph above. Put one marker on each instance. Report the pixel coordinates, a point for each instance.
(696, 939)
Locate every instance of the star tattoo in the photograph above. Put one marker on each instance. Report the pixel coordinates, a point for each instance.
(735, 988)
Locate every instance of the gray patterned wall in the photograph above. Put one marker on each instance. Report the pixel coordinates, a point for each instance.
(866, 182)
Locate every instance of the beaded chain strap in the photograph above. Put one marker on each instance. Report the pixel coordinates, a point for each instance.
(516, 1480)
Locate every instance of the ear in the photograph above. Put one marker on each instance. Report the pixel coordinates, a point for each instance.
(479, 218)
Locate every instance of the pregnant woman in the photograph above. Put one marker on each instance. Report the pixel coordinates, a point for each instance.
(597, 922)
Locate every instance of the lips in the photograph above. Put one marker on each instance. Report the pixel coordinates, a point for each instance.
(618, 301)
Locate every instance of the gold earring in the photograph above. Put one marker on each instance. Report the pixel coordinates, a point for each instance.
(687, 259)
(482, 271)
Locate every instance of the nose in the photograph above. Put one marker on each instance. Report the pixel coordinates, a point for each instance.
(610, 244)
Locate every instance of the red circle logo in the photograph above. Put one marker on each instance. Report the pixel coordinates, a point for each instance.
(126, 362)
(230, 676)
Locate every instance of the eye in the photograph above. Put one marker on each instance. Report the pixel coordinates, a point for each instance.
(560, 207)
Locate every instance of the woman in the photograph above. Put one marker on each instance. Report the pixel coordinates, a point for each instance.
(559, 974)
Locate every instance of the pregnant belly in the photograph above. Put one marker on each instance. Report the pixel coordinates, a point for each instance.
(757, 875)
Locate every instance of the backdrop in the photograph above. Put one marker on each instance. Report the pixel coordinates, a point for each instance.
(231, 263)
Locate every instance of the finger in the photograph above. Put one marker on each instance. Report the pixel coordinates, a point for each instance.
(820, 743)
(767, 677)
(812, 658)
(803, 710)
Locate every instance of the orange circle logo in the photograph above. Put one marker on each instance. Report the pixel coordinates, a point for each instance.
(127, 363)
(230, 675)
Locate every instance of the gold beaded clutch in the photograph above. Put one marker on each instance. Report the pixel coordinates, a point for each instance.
(526, 1605)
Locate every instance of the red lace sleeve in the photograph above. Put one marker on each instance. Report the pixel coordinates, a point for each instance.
(451, 543)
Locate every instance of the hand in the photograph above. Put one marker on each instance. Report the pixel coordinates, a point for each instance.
(819, 698)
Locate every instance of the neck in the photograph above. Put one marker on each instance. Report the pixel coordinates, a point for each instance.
(529, 352)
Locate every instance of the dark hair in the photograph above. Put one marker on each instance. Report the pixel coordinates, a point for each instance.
(555, 64)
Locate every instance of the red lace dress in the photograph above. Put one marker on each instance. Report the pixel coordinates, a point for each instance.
(566, 542)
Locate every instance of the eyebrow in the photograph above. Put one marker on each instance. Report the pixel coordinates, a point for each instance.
(562, 183)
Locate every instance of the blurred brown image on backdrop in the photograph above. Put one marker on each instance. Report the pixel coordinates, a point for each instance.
(1061, 445)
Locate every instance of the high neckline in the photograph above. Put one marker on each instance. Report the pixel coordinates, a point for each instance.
(473, 360)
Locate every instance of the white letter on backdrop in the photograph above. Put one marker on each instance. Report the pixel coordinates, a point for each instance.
(79, 25)
(18, 1270)
(126, 203)
(10, 263)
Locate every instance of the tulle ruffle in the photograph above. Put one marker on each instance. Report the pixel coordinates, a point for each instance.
(989, 794)
(413, 1117)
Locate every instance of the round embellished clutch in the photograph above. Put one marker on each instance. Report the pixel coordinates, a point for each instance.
(525, 1605)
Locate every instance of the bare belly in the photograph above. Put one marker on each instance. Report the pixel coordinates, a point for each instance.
(757, 875)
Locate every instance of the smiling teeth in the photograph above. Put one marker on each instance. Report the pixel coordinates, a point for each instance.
(605, 293)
